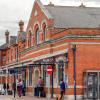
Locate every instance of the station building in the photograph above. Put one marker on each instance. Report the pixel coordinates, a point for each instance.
(65, 37)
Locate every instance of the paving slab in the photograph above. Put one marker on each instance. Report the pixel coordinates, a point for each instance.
(4, 97)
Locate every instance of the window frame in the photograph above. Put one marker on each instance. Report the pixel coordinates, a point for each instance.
(37, 36)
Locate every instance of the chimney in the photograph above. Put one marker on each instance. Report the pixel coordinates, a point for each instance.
(50, 4)
(21, 25)
(7, 36)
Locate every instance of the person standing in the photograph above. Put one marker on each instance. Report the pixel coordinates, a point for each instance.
(14, 88)
(62, 89)
(4, 88)
(39, 86)
(19, 87)
(23, 88)
(7, 88)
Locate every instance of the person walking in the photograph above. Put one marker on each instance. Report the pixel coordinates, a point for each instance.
(19, 87)
(62, 89)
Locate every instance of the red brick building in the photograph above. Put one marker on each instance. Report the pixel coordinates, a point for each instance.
(68, 38)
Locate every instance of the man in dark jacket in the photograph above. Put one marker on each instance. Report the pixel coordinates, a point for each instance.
(4, 87)
(62, 89)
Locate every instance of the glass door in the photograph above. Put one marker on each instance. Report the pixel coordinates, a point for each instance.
(92, 85)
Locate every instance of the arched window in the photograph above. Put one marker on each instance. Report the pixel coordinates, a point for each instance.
(60, 70)
(30, 38)
(44, 31)
(37, 36)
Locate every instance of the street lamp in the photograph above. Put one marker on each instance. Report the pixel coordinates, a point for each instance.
(74, 63)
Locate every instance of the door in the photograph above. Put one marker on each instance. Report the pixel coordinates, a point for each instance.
(92, 85)
(36, 77)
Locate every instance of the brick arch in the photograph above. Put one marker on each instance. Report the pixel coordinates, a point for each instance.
(36, 24)
(43, 22)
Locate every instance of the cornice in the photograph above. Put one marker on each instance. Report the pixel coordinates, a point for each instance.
(68, 36)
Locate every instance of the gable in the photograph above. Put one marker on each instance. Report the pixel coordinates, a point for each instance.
(38, 14)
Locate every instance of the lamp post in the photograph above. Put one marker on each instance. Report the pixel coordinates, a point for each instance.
(74, 63)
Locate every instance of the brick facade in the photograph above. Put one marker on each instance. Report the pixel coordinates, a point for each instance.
(53, 45)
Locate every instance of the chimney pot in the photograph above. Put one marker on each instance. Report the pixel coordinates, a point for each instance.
(51, 4)
(82, 5)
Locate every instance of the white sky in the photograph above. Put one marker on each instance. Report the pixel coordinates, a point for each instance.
(11, 11)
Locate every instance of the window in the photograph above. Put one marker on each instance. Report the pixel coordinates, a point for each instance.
(37, 36)
(30, 76)
(44, 32)
(4, 58)
(15, 53)
(11, 54)
(60, 70)
(8, 56)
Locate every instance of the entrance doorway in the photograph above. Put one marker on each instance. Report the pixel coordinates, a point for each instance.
(36, 77)
(92, 85)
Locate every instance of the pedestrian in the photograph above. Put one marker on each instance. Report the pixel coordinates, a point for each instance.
(62, 89)
(23, 88)
(19, 88)
(7, 88)
(14, 88)
(43, 94)
(4, 88)
(40, 87)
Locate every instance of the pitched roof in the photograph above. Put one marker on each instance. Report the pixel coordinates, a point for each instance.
(4, 46)
(11, 42)
(75, 17)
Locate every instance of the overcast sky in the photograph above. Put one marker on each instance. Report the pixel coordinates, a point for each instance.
(11, 11)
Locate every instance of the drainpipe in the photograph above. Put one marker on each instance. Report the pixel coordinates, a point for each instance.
(74, 63)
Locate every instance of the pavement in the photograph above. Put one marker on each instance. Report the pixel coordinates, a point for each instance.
(4, 97)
